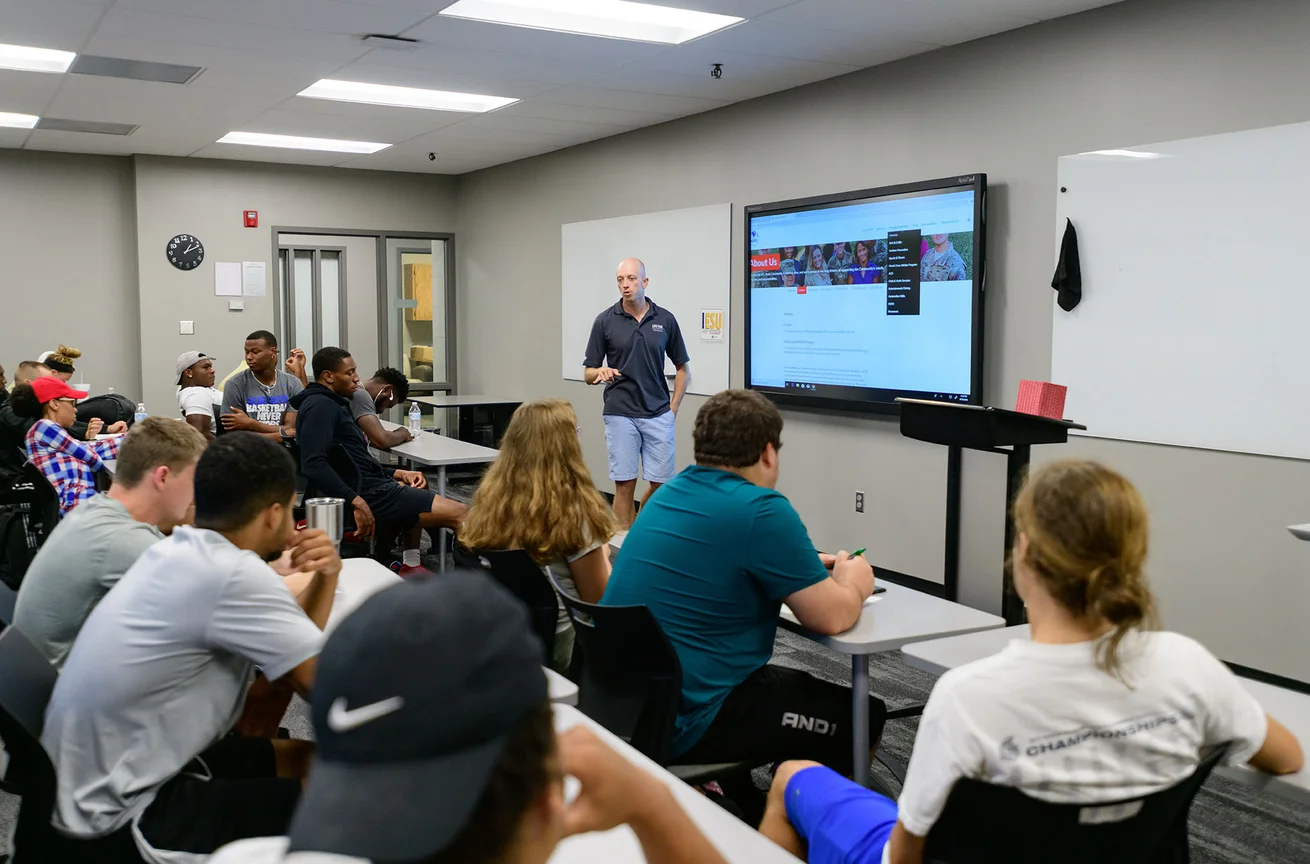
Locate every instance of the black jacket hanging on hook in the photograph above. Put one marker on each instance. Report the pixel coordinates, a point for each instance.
(1068, 279)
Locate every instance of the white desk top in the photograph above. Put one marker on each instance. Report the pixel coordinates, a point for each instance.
(361, 578)
(111, 466)
(899, 616)
(1290, 708)
(461, 400)
(734, 839)
(436, 450)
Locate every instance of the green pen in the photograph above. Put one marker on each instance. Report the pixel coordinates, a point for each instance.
(858, 552)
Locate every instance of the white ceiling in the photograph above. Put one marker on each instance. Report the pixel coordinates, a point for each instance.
(257, 54)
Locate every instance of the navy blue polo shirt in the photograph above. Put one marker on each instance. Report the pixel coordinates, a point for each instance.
(637, 350)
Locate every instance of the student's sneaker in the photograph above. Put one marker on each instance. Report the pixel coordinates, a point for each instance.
(411, 571)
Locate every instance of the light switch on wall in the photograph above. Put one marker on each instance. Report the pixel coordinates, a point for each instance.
(236, 305)
(187, 328)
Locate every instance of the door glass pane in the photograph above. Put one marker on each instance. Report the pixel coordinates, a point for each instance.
(302, 280)
(329, 280)
(416, 291)
(284, 298)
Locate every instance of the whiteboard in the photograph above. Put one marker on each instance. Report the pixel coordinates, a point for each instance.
(688, 257)
(1194, 327)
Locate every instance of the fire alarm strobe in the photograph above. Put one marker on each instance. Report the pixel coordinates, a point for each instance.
(251, 218)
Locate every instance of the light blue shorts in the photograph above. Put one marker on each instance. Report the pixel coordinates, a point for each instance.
(647, 438)
(842, 823)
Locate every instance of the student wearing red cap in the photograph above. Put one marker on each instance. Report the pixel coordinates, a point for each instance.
(67, 463)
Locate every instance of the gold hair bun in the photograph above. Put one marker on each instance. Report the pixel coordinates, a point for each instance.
(67, 355)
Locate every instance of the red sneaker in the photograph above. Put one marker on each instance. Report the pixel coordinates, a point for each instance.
(415, 571)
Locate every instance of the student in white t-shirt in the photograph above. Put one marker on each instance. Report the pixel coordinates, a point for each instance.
(1098, 707)
(196, 395)
(539, 496)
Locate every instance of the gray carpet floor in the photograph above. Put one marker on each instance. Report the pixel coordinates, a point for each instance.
(1230, 823)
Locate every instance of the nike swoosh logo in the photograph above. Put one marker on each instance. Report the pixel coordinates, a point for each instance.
(341, 720)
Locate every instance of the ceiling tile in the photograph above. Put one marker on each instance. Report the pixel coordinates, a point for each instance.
(142, 102)
(141, 141)
(13, 137)
(388, 125)
(322, 16)
(585, 114)
(599, 97)
(61, 24)
(847, 48)
(211, 57)
(939, 22)
(549, 125)
(745, 75)
(187, 30)
(27, 92)
(495, 64)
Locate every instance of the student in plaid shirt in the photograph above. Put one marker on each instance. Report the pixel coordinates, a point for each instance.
(67, 463)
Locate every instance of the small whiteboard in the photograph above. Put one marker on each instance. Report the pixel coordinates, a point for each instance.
(1194, 326)
(688, 257)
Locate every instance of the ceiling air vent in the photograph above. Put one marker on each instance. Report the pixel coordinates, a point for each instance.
(55, 124)
(137, 70)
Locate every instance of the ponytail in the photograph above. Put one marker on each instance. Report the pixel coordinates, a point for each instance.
(1087, 540)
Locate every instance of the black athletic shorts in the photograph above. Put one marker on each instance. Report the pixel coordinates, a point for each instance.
(778, 714)
(229, 792)
(397, 506)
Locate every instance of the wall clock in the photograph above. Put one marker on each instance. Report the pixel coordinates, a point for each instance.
(185, 252)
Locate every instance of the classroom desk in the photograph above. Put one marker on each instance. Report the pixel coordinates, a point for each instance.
(361, 578)
(1290, 708)
(889, 621)
(439, 451)
(471, 411)
(735, 840)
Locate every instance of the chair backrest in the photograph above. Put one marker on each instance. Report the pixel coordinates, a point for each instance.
(26, 681)
(29, 511)
(629, 677)
(8, 600)
(526, 580)
(984, 823)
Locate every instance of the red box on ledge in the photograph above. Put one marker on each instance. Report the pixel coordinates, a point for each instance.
(1041, 398)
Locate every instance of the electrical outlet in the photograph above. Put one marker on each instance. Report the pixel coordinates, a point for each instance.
(859, 502)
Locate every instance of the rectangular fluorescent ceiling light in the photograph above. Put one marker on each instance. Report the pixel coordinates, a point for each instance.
(18, 121)
(1124, 154)
(405, 97)
(29, 59)
(615, 19)
(296, 142)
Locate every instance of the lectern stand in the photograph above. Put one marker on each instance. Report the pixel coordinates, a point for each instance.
(978, 427)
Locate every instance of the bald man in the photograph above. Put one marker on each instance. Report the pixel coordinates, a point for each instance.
(626, 352)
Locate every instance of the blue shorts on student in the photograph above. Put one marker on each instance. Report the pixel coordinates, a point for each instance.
(840, 821)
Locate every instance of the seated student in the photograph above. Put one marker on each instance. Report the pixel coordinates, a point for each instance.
(91, 549)
(1094, 666)
(387, 388)
(137, 721)
(568, 530)
(67, 463)
(430, 752)
(714, 554)
(257, 400)
(196, 395)
(391, 497)
(60, 361)
(13, 429)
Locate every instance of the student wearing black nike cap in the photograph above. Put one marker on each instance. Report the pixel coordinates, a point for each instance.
(436, 745)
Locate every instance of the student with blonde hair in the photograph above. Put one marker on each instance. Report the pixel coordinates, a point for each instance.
(539, 496)
(1099, 706)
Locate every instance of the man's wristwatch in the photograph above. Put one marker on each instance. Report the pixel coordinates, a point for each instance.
(282, 433)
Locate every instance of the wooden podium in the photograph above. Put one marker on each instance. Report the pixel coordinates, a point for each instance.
(991, 430)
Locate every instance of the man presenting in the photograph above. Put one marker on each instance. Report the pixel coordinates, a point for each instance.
(626, 351)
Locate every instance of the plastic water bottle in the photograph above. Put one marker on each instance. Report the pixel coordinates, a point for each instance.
(415, 419)
(140, 412)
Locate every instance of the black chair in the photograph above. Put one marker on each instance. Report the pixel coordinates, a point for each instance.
(987, 824)
(8, 600)
(26, 681)
(526, 580)
(630, 682)
(31, 506)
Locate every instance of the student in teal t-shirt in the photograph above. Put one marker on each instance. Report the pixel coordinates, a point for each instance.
(714, 554)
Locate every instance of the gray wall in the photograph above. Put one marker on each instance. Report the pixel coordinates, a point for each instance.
(206, 198)
(1010, 105)
(69, 264)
